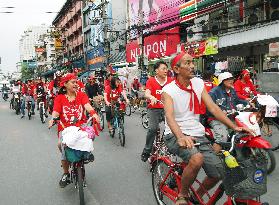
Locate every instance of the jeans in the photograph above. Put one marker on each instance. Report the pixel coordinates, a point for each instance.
(155, 117)
(23, 101)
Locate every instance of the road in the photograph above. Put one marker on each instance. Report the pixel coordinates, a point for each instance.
(30, 167)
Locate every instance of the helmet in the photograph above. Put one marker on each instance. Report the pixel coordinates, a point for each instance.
(224, 76)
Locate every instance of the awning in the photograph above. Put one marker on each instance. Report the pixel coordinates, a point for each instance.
(118, 57)
(258, 33)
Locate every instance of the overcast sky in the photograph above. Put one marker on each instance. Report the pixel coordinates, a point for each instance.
(26, 13)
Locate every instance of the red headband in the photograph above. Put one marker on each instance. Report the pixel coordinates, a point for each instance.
(176, 59)
(66, 78)
(245, 71)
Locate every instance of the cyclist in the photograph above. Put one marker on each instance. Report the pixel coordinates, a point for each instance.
(92, 88)
(69, 106)
(244, 86)
(226, 93)
(113, 92)
(182, 101)
(155, 111)
(40, 90)
(135, 87)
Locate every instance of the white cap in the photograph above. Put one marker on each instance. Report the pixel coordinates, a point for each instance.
(224, 76)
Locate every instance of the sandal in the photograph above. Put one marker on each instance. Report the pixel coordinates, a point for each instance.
(181, 200)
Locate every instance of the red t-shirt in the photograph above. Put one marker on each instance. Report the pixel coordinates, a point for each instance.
(31, 89)
(80, 86)
(71, 113)
(243, 90)
(113, 94)
(136, 85)
(156, 90)
(208, 85)
(107, 83)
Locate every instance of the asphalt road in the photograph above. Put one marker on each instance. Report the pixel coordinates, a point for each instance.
(30, 167)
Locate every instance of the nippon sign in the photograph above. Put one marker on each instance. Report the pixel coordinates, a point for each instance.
(155, 46)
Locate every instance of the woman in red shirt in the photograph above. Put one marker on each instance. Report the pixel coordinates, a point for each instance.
(112, 93)
(244, 86)
(69, 106)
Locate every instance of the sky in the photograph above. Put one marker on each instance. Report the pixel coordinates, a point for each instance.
(26, 13)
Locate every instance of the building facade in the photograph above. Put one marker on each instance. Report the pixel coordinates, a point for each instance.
(28, 41)
(69, 22)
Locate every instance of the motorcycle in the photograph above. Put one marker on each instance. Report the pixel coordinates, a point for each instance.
(249, 146)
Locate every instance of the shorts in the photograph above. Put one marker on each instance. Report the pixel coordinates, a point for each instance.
(108, 113)
(220, 131)
(212, 163)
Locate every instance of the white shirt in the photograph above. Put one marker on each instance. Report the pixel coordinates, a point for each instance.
(187, 121)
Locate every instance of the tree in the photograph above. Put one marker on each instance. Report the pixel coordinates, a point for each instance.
(26, 72)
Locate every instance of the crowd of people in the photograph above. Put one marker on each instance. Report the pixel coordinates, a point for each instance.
(174, 94)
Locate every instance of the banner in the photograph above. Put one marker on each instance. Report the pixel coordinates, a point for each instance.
(211, 46)
(156, 14)
(58, 44)
(155, 46)
(95, 57)
(274, 49)
(195, 49)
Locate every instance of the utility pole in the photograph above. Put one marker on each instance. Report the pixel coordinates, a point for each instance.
(141, 43)
(105, 30)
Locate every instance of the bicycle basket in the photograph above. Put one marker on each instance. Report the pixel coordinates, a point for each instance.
(254, 182)
(73, 155)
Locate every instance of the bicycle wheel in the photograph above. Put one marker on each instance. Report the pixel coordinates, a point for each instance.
(159, 173)
(270, 132)
(80, 185)
(102, 120)
(42, 115)
(128, 110)
(271, 161)
(121, 133)
(145, 120)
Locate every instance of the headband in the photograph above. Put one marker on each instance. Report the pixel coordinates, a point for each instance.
(176, 59)
(66, 78)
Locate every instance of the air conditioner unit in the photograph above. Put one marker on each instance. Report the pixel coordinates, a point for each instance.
(274, 10)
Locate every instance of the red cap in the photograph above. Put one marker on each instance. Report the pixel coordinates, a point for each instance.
(176, 59)
(66, 78)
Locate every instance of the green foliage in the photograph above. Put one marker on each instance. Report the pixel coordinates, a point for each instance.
(26, 73)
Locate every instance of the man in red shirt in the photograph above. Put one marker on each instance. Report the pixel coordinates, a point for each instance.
(244, 86)
(135, 86)
(153, 93)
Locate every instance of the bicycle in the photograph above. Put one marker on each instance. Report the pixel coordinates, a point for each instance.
(77, 161)
(117, 122)
(42, 108)
(166, 182)
(29, 107)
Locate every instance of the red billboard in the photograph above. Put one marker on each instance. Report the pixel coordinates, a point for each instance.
(155, 46)
(157, 14)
